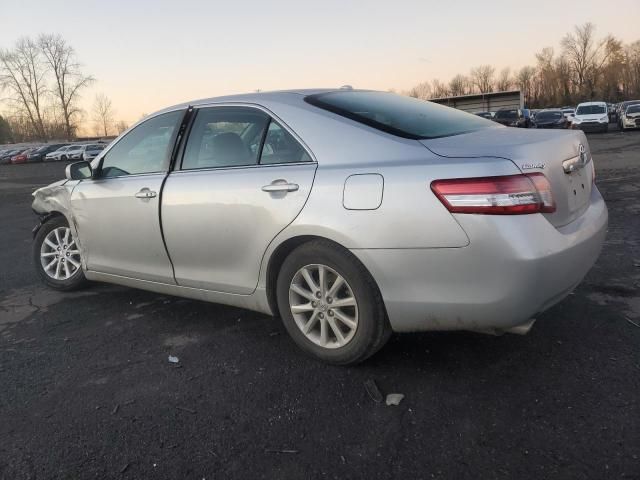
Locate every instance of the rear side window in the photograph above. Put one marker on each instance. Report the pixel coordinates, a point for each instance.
(225, 137)
(280, 147)
(399, 115)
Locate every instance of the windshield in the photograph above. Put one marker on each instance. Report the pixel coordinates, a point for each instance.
(549, 116)
(95, 147)
(399, 115)
(633, 109)
(591, 109)
(506, 114)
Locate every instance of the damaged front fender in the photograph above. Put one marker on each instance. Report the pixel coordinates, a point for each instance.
(55, 199)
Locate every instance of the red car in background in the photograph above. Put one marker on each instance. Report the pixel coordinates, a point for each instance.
(22, 156)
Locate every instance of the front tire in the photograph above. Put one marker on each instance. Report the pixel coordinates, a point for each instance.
(330, 304)
(56, 256)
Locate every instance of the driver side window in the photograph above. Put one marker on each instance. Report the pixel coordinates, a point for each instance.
(145, 149)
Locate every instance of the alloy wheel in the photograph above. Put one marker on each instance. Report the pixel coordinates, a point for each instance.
(59, 254)
(323, 306)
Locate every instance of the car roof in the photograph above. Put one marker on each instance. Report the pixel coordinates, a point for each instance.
(274, 96)
(587, 104)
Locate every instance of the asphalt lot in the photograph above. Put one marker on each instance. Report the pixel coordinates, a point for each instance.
(86, 390)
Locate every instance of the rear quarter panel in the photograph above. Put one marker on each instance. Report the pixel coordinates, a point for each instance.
(409, 216)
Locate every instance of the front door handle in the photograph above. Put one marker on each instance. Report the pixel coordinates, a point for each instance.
(280, 186)
(146, 193)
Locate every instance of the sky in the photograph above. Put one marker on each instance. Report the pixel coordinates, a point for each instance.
(146, 55)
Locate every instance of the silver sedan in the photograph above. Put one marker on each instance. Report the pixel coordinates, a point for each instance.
(349, 214)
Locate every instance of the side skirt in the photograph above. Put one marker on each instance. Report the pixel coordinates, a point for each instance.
(257, 301)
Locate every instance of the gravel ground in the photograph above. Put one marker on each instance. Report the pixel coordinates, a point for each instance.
(86, 390)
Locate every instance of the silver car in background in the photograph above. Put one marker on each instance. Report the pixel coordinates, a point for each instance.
(350, 214)
(58, 155)
(91, 151)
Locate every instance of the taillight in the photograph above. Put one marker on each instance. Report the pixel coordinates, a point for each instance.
(504, 195)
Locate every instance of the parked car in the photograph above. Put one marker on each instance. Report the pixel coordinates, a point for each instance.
(74, 152)
(5, 157)
(551, 119)
(91, 151)
(568, 112)
(623, 108)
(591, 117)
(350, 214)
(21, 157)
(38, 155)
(511, 118)
(631, 117)
(57, 155)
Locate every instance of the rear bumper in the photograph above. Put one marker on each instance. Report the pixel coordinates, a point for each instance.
(514, 268)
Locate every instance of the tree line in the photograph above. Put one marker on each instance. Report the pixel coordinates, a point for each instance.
(586, 68)
(41, 83)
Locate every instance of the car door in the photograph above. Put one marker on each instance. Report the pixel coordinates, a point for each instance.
(117, 211)
(243, 178)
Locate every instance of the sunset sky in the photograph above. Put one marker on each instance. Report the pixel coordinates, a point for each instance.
(149, 54)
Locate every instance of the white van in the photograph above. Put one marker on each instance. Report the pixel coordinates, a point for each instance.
(591, 117)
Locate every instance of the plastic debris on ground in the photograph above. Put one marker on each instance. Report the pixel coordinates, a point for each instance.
(394, 398)
(173, 359)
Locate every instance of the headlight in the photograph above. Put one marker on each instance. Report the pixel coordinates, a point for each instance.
(604, 119)
(576, 120)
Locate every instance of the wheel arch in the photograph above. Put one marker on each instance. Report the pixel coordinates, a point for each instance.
(282, 251)
(44, 218)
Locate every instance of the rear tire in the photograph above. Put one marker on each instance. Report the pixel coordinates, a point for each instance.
(56, 256)
(349, 295)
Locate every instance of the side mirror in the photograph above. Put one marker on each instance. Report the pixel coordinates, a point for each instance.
(78, 171)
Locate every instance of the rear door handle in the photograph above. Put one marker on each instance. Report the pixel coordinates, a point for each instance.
(146, 193)
(280, 186)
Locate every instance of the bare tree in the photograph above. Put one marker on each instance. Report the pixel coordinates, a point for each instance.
(421, 91)
(439, 89)
(121, 126)
(103, 114)
(69, 80)
(525, 80)
(631, 70)
(482, 78)
(504, 82)
(459, 85)
(587, 56)
(23, 72)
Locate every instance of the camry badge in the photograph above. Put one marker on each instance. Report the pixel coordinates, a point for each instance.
(530, 166)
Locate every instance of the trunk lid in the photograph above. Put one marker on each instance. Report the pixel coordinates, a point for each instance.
(562, 156)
